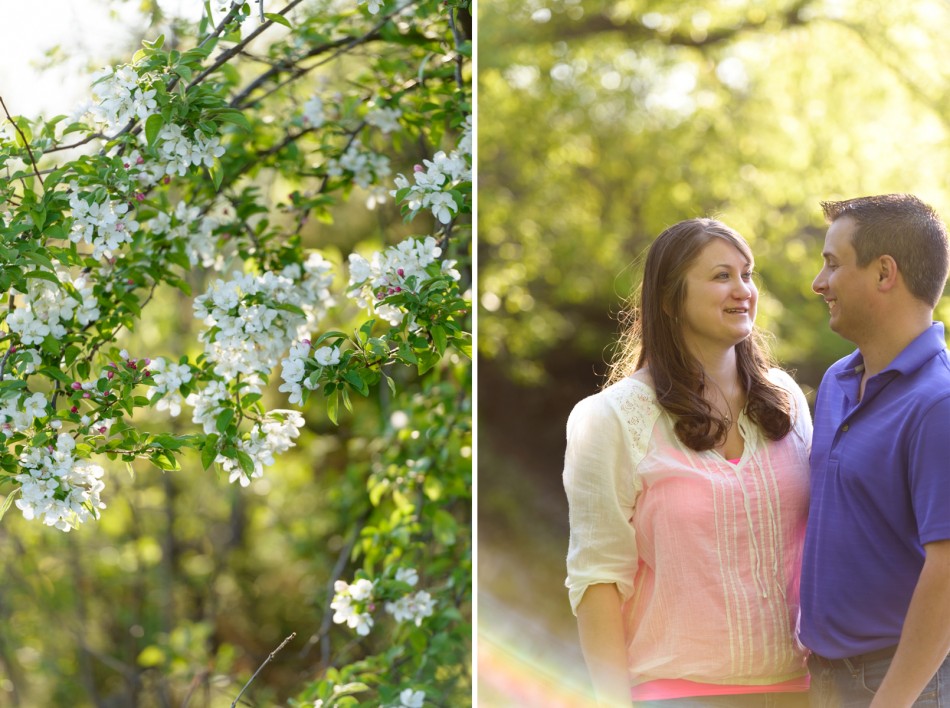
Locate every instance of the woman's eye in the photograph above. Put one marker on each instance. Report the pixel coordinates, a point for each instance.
(748, 276)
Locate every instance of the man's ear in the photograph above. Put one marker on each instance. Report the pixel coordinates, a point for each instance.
(887, 273)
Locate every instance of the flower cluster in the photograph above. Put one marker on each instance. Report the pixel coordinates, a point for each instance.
(432, 185)
(352, 605)
(252, 318)
(187, 224)
(168, 378)
(411, 608)
(58, 487)
(104, 225)
(18, 414)
(120, 98)
(313, 114)
(385, 119)
(365, 166)
(387, 273)
(46, 309)
(178, 153)
(273, 435)
(293, 369)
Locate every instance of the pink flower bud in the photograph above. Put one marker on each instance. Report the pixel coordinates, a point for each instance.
(147, 373)
(126, 165)
(13, 350)
(107, 393)
(379, 296)
(86, 394)
(166, 180)
(110, 374)
(146, 362)
(140, 197)
(102, 429)
(75, 385)
(133, 365)
(74, 409)
(139, 160)
(390, 291)
(50, 448)
(398, 289)
(400, 272)
(306, 341)
(129, 281)
(417, 168)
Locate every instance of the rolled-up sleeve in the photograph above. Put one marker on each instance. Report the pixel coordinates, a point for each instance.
(602, 487)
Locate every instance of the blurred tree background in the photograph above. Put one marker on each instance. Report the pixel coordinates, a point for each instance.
(601, 123)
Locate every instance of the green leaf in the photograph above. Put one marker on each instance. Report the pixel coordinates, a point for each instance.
(164, 460)
(235, 117)
(209, 451)
(326, 335)
(8, 502)
(153, 126)
(42, 275)
(217, 177)
(57, 374)
(356, 381)
(427, 359)
(333, 405)
(279, 19)
(155, 44)
(247, 464)
(438, 338)
(224, 419)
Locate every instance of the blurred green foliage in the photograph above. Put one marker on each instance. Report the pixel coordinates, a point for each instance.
(603, 123)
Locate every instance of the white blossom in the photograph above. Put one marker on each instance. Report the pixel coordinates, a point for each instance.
(386, 119)
(412, 608)
(272, 436)
(411, 699)
(366, 167)
(58, 488)
(168, 378)
(350, 604)
(313, 114)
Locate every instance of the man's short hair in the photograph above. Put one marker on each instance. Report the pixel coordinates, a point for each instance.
(903, 227)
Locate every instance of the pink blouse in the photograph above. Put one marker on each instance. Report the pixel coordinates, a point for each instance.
(705, 553)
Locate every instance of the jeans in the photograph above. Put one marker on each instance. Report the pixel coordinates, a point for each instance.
(841, 686)
(745, 700)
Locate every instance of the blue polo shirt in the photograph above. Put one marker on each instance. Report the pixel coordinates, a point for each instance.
(880, 489)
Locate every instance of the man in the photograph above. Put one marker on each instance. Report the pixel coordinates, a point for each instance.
(876, 570)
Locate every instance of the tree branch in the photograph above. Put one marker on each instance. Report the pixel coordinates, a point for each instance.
(634, 29)
(26, 142)
(269, 658)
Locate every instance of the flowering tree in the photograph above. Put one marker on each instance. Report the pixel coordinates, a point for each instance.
(167, 182)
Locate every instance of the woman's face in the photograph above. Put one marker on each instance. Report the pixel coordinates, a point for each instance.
(719, 307)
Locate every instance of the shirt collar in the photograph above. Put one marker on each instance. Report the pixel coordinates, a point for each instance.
(922, 349)
(925, 347)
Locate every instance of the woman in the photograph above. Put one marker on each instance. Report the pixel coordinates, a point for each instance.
(687, 479)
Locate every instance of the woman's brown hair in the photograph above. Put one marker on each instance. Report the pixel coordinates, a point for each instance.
(653, 336)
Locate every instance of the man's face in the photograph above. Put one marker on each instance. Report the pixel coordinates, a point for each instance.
(847, 288)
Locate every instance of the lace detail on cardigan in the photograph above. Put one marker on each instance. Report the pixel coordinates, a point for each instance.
(636, 404)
